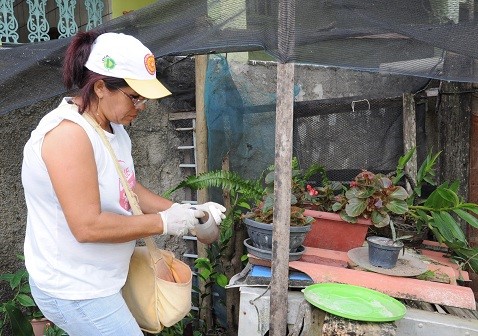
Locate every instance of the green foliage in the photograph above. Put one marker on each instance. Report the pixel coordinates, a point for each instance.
(206, 271)
(299, 196)
(243, 195)
(19, 309)
(466, 257)
(53, 330)
(442, 211)
(372, 196)
(226, 180)
(425, 175)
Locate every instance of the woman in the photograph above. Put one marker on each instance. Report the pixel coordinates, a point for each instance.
(80, 233)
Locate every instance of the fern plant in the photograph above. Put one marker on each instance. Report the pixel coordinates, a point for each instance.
(223, 179)
(243, 195)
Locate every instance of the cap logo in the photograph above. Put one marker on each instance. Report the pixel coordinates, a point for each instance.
(109, 63)
(150, 64)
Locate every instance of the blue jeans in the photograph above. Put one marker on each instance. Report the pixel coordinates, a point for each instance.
(95, 317)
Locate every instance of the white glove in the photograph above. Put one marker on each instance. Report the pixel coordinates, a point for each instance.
(215, 209)
(179, 219)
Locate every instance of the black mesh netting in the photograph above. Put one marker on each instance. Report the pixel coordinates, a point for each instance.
(345, 135)
(401, 37)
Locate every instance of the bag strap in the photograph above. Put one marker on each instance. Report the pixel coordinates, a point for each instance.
(132, 197)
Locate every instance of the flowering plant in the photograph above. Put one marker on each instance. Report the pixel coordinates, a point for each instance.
(372, 196)
(300, 197)
(324, 197)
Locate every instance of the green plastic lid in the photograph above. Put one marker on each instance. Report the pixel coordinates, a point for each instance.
(354, 302)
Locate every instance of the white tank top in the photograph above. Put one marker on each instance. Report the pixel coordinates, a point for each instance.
(57, 263)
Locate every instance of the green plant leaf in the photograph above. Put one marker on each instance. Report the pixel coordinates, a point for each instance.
(6, 277)
(418, 191)
(403, 160)
(379, 219)
(471, 207)
(244, 205)
(398, 207)
(221, 179)
(205, 273)
(268, 203)
(469, 255)
(449, 195)
(25, 300)
(399, 193)
(221, 280)
(441, 197)
(269, 179)
(18, 322)
(25, 288)
(359, 193)
(423, 215)
(469, 218)
(17, 278)
(347, 218)
(336, 206)
(355, 207)
(448, 227)
(202, 263)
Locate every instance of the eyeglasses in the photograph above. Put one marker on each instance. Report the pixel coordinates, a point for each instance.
(136, 101)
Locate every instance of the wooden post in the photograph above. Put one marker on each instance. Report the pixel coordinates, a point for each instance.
(283, 170)
(282, 186)
(472, 233)
(201, 162)
(454, 125)
(231, 260)
(410, 133)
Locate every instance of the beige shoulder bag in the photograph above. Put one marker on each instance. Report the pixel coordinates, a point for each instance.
(158, 287)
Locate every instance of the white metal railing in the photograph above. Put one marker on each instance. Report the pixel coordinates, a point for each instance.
(37, 24)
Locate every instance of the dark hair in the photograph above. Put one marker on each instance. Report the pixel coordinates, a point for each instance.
(76, 74)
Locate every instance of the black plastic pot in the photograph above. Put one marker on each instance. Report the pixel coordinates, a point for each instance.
(261, 235)
(383, 252)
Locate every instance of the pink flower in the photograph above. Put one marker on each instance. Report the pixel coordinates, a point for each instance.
(312, 191)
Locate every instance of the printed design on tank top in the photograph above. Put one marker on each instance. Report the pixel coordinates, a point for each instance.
(131, 179)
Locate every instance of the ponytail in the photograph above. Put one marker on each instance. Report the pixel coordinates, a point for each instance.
(77, 53)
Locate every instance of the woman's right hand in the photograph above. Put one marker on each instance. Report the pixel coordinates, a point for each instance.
(179, 219)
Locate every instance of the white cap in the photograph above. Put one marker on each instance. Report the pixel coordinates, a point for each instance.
(123, 56)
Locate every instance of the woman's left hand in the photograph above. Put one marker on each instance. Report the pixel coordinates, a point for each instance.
(215, 209)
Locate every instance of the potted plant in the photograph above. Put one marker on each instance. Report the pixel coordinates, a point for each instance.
(329, 230)
(19, 311)
(259, 221)
(442, 212)
(376, 197)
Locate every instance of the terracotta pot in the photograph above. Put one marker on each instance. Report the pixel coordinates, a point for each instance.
(39, 326)
(331, 232)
